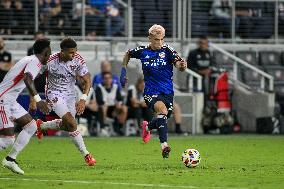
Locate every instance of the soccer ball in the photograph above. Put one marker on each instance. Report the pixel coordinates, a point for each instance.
(190, 158)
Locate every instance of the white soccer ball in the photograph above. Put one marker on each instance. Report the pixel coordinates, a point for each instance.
(190, 158)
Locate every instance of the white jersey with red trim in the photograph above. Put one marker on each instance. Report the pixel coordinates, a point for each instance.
(61, 76)
(13, 83)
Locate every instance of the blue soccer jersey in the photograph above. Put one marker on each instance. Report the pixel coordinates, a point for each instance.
(157, 66)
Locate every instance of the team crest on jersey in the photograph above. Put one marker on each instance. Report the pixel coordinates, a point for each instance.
(162, 55)
(54, 100)
(73, 67)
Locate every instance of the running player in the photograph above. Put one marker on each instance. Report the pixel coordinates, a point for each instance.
(21, 75)
(62, 69)
(157, 61)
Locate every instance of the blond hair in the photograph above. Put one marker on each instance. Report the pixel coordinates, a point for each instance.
(157, 30)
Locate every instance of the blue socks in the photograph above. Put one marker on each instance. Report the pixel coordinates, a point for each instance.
(160, 123)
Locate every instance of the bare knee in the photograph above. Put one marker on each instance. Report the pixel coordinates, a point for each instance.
(160, 108)
(69, 123)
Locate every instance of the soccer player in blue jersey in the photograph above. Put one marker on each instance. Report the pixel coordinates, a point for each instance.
(157, 61)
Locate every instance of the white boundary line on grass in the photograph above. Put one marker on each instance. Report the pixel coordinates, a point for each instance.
(114, 183)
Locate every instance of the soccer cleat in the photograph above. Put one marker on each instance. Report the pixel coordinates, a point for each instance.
(39, 132)
(90, 160)
(146, 135)
(166, 152)
(13, 166)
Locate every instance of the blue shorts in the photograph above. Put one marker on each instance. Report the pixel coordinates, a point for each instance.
(150, 100)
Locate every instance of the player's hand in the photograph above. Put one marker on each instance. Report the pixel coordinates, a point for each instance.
(181, 65)
(80, 106)
(43, 106)
(32, 106)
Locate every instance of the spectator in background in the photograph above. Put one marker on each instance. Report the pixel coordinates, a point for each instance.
(37, 35)
(49, 12)
(94, 20)
(6, 17)
(114, 23)
(281, 18)
(5, 60)
(41, 78)
(255, 21)
(105, 67)
(200, 61)
(136, 104)
(110, 103)
(221, 12)
(91, 105)
(21, 21)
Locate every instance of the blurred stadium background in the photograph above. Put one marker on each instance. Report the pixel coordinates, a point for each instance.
(246, 39)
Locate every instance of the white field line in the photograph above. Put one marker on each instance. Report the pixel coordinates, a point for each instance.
(114, 183)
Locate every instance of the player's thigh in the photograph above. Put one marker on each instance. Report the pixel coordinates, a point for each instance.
(160, 107)
(60, 106)
(150, 101)
(71, 104)
(167, 102)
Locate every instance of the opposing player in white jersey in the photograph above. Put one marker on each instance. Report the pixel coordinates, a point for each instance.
(20, 76)
(62, 69)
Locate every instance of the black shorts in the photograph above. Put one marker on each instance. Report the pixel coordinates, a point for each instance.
(110, 110)
(150, 100)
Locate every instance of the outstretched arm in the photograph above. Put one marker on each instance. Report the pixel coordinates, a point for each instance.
(42, 105)
(123, 77)
(126, 59)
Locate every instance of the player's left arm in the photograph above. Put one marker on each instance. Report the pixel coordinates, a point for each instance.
(37, 101)
(81, 104)
(178, 62)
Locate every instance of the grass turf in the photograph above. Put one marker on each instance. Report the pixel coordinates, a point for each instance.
(234, 161)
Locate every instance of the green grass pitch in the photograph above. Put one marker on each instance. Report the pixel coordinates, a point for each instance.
(233, 161)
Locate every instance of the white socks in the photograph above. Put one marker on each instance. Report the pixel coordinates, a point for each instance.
(23, 139)
(54, 124)
(75, 136)
(79, 142)
(5, 142)
(164, 144)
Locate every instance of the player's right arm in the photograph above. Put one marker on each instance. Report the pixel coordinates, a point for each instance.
(123, 77)
(132, 53)
(42, 105)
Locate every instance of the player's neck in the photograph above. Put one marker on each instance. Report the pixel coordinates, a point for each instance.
(40, 58)
(153, 48)
(61, 59)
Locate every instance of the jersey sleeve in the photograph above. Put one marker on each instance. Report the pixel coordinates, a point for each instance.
(136, 52)
(173, 55)
(33, 68)
(82, 69)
